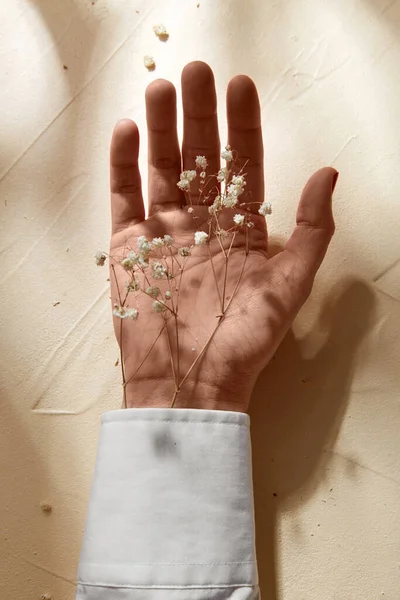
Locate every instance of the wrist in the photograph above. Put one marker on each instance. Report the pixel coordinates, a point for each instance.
(160, 393)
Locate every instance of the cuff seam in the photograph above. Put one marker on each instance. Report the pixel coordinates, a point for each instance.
(166, 587)
(181, 564)
(175, 421)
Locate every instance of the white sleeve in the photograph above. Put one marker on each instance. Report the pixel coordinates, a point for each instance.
(171, 512)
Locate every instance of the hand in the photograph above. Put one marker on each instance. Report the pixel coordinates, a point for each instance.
(270, 291)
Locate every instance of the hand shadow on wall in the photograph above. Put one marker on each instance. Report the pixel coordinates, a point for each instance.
(296, 412)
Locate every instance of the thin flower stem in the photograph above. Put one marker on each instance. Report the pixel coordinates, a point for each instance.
(224, 285)
(171, 356)
(215, 279)
(218, 237)
(231, 244)
(226, 273)
(208, 342)
(121, 357)
(181, 269)
(196, 360)
(147, 354)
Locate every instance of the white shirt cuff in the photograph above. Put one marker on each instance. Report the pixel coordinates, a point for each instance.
(171, 506)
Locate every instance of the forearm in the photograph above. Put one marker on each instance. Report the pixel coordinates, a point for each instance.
(171, 507)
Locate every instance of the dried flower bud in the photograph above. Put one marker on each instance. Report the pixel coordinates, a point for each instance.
(200, 237)
(158, 271)
(238, 219)
(159, 307)
(185, 251)
(265, 208)
(153, 291)
(227, 154)
(121, 312)
(201, 163)
(100, 258)
(161, 32)
(149, 63)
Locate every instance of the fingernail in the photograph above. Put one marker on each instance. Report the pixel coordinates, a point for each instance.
(334, 181)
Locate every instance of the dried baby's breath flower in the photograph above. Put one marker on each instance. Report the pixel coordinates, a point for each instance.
(215, 206)
(167, 295)
(200, 237)
(235, 189)
(238, 219)
(149, 63)
(159, 307)
(223, 234)
(157, 242)
(222, 174)
(143, 262)
(201, 162)
(190, 209)
(123, 312)
(153, 291)
(265, 208)
(100, 258)
(186, 177)
(158, 271)
(161, 32)
(184, 185)
(184, 251)
(130, 260)
(133, 285)
(227, 154)
(168, 241)
(203, 175)
(230, 200)
(144, 246)
(250, 224)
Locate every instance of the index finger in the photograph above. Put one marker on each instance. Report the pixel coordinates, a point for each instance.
(127, 206)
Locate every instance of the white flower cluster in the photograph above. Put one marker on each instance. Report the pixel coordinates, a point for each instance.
(158, 271)
(234, 190)
(201, 162)
(130, 260)
(122, 312)
(184, 251)
(222, 174)
(153, 291)
(159, 307)
(227, 154)
(265, 208)
(186, 178)
(100, 258)
(238, 219)
(200, 238)
(133, 285)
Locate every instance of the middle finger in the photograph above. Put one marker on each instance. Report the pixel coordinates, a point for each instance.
(200, 123)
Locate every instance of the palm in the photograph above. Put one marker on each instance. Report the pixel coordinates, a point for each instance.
(259, 297)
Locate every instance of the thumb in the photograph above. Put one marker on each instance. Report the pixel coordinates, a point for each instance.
(314, 224)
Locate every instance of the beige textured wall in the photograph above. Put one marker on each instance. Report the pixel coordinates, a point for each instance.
(326, 413)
